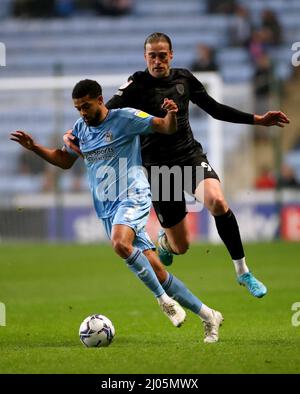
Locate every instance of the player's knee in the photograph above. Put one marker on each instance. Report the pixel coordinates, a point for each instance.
(181, 248)
(121, 247)
(218, 205)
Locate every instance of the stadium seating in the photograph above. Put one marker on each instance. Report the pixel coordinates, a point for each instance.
(84, 45)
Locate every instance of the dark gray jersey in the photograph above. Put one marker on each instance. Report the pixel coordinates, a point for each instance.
(147, 93)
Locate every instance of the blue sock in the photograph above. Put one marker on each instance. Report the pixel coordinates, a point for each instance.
(139, 264)
(177, 290)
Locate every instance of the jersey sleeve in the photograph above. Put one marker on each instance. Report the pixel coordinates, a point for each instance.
(76, 141)
(140, 122)
(197, 90)
(200, 97)
(125, 96)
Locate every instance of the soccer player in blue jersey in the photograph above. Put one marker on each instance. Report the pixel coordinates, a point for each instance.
(110, 144)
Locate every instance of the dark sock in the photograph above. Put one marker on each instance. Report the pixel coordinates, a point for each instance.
(229, 232)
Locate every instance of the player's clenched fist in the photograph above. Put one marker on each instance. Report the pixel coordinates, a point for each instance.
(169, 105)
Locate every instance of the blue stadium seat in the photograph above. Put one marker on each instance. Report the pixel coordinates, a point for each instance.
(237, 73)
(229, 56)
(187, 7)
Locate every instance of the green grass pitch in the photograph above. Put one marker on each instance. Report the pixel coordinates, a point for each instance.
(49, 289)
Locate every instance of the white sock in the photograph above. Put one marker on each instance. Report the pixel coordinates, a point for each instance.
(163, 298)
(240, 266)
(205, 312)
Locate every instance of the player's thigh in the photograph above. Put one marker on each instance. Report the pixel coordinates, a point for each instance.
(170, 213)
(121, 236)
(122, 233)
(202, 171)
(209, 192)
(169, 204)
(134, 215)
(172, 217)
(117, 229)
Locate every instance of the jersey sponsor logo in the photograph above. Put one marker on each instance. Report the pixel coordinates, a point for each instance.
(100, 154)
(141, 114)
(180, 88)
(205, 165)
(108, 136)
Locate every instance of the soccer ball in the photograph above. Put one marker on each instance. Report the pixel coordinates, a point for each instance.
(96, 331)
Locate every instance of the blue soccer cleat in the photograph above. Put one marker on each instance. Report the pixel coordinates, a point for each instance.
(164, 255)
(255, 287)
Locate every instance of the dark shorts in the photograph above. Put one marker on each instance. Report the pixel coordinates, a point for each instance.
(172, 211)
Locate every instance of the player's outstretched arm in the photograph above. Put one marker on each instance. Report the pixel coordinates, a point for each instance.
(229, 114)
(272, 118)
(57, 157)
(168, 124)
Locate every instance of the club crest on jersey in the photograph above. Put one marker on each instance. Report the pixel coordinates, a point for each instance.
(180, 88)
(108, 136)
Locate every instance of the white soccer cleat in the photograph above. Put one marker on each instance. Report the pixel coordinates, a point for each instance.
(211, 327)
(174, 312)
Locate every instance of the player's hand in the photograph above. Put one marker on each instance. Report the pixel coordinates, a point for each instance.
(169, 105)
(272, 118)
(68, 140)
(23, 139)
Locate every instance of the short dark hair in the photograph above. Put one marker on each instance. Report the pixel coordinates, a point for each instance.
(87, 87)
(155, 37)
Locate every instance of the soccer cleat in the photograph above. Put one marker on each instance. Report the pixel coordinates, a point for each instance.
(211, 327)
(164, 255)
(174, 312)
(255, 287)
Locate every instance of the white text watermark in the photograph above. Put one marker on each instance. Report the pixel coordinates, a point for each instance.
(296, 55)
(2, 55)
(174, 183)
(296, 315)
(2, 314)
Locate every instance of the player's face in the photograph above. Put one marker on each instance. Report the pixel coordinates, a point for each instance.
(158, 57)
(89, 109)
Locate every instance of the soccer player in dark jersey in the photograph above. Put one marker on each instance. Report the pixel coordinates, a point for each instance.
(146, 90)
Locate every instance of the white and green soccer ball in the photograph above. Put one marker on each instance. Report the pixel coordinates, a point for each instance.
(96, 331)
